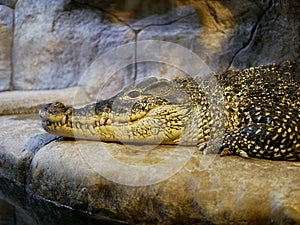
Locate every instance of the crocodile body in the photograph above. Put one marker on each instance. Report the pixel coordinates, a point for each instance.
(261, 108)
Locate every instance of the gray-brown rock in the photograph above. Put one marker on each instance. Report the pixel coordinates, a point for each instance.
(274, 37)
(166, 185)
(9, 3)
(14, 158)
(146, 184)
(6, 39)
(234, 34)
(21, 102)
(65, 43)
(55, 41)
(130, 11)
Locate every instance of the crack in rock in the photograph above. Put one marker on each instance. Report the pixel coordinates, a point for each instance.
(252, 33)
(212, 12)
(11, 78)
(169, 18)
(35, 143)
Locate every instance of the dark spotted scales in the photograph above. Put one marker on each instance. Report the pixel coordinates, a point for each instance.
(264, 112)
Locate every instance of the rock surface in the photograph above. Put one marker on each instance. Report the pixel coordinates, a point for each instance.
(24, 208)
(6, 39)
(65, 43)
(18, 102)
(9, 3)
(257, 192)
(14, 158)
(276, 35)
(165, 185)
(55, 42)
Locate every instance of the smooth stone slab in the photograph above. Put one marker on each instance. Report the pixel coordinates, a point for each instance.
(17, 102)
(166, 185)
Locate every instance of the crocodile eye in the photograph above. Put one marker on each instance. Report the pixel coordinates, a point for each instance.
(134, 94)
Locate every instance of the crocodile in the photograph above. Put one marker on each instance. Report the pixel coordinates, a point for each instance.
(260, 114)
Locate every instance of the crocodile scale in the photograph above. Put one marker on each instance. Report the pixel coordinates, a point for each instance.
(261, 113)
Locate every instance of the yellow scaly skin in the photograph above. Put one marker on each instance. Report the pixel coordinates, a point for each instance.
(262, 111)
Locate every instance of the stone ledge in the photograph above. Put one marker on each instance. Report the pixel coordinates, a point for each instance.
(230, 189)
(14, 133)
(18, 102)
(206, 189)
(33, 210)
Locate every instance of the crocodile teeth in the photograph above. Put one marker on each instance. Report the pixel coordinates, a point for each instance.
(102, 121)
(63, 121)
(69, 111)
(108, 122)
(91, 129)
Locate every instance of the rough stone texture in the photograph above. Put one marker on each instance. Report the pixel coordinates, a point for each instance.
(29, 209)
(17, 102)
(109, 73)
(9, 3)
(230, 189)
(232, 33)
(14, 133)
(55, 41)
(65, 43)
(6, 33)
(276, 37)
(180, 26)
(200, 188)
(131, 10)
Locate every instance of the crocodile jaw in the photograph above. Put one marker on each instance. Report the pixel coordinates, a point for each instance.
(161, 125)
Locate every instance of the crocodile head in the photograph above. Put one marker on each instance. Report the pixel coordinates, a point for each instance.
(154, 111)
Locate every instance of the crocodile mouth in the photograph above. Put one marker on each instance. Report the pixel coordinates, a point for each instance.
(55, 117)
(71, 122)
(152, 112)
(82, 123)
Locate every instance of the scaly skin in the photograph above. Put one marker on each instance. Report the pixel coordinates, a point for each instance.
(262, 111)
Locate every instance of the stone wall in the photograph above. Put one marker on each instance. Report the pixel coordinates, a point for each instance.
(59, 44)
(50, 44)
(6, 40)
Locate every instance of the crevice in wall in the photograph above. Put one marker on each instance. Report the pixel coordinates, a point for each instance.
(14, 4)
(136, 31)
(109, 14)
(252, 33)
(165, 24)
(11, 78)
(212, 12)
(135, 57)
(214, 15)
(11, 45)
(9, 6)
(120, 20)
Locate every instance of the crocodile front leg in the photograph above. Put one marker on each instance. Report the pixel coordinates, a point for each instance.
(263, 141)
